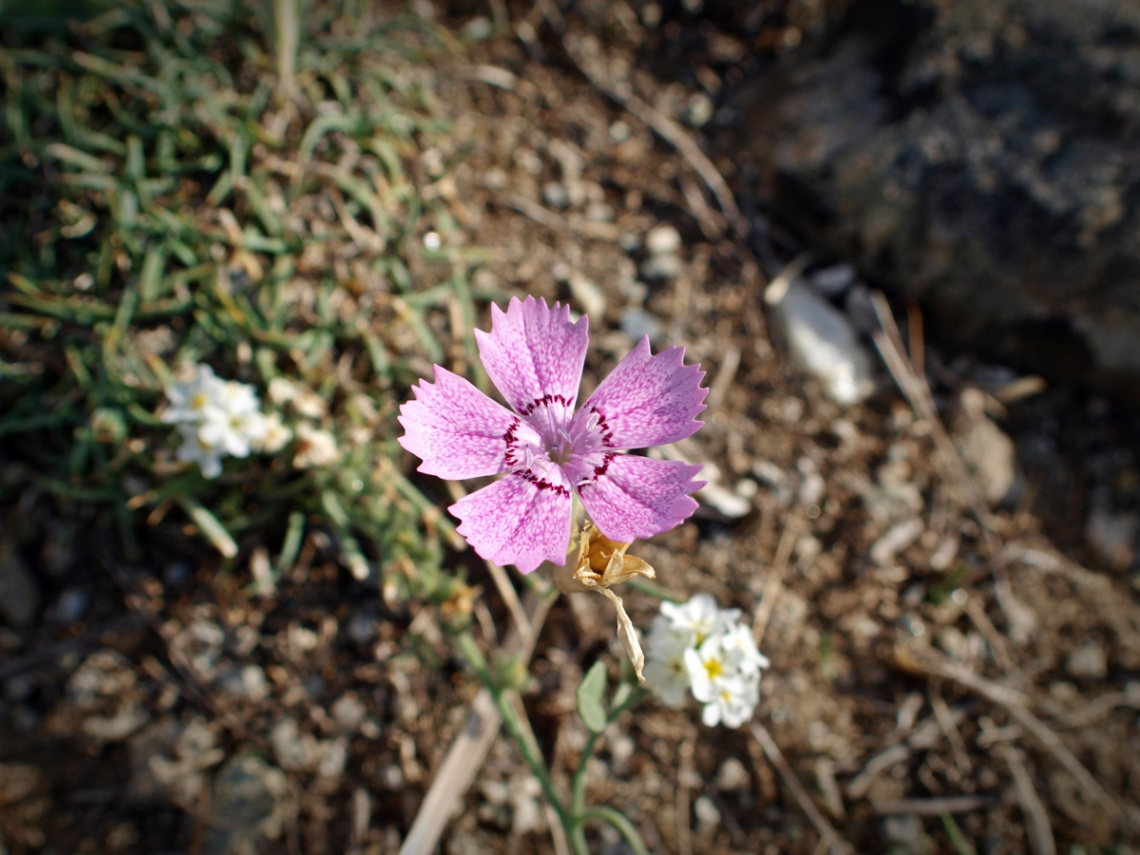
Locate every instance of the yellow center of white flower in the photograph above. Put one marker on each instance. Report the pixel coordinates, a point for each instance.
(714, 668)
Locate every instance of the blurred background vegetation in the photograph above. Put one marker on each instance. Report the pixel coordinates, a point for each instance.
(167, 199)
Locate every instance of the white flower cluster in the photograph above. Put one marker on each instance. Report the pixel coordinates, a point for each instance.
(699, 647)
(218, 417)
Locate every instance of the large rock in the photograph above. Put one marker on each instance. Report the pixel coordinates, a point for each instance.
(981, 155)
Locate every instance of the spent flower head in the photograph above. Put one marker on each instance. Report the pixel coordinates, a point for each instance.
(548, 452)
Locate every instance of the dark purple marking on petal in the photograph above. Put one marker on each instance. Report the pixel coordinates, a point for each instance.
(541, 483)
(512, 441)
(545, 400)
(600, 469)
(607, 433)
(512, 460)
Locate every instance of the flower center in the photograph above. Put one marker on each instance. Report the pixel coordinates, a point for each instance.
(561, 448)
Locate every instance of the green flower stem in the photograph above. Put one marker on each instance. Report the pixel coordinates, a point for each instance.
(478, 663)
(578, 802)
(577, 833)
(618, 820)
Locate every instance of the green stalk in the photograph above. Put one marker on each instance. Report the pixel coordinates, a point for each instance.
(617, 820)
(478, 663)
(577, 833)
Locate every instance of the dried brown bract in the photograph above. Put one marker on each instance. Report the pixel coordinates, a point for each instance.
(602, 563)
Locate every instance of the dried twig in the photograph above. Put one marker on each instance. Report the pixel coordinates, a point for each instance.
(556, 222)
(950, 729)
(724, 376)
(935, 806)
(1015, 703)
(1092, 711)
(858, 786)
(914, 387)
(586, 61)
(1036, 816)
(999, 646)
(835, 844)
(775, 580)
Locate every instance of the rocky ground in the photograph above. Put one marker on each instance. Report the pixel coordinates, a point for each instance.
(944, 576)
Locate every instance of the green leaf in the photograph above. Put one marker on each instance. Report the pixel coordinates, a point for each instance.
(591, 706)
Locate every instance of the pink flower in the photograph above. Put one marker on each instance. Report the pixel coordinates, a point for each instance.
(534, 356)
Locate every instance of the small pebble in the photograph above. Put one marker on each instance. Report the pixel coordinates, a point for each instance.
(555, 195)
(706, 811)
(699, 110)
(619, 132)
(732, 776)
(72, 605)
(834, 281)
(600, 212)
(348, 712)
(362, 627)
(664, 267)
(663, 240)
(637, 322)
(1087, 660)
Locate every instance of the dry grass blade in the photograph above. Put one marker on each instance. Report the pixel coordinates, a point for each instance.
(1016, 704)
(935, 806)
(914, 387)
(1036, 816)
(466, 754)
(828, 836)
(775, 579)
(1092, 711)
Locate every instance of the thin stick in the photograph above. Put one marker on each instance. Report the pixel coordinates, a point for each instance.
(889, 342)
(949, 729)
(724, 376)
(1094, 710)
(936, 806)
(775, 580)
(1015, 703)
(999, 646)
(1040, 832)
(836, 845)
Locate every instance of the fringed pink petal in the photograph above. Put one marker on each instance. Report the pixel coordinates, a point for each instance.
(631, 497)
(456, 430)
(517, 520)
(534, 356)
(646, 400)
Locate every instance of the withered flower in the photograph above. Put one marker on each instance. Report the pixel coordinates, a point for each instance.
(602, 563)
